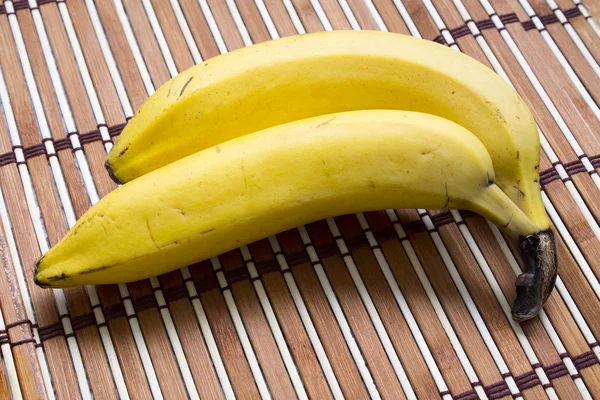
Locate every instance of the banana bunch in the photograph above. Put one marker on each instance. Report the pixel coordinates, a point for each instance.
(286, 132)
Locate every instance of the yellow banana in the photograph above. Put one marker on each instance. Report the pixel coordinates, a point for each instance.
(263, 183)
(302, 76)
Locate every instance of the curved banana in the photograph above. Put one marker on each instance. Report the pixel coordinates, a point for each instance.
(302, 76)
(263, 183)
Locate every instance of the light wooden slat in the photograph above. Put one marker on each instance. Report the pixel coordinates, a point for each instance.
(49, 203)
(167, 372)
(115, 34)
(5, 392)
(291, 323)
(572, 338)
(113, 109)
(433, 332)
(225, 334)
(584, 25)
(588, 72)
(262, 340)
(124, 342)
(76, 302)
(19, 374)
(198, 358)
(323, 318)
(416, 296)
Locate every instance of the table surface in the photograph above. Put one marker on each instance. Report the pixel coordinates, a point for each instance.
(418, 307)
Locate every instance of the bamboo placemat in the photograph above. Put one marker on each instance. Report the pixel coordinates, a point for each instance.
(392, 304)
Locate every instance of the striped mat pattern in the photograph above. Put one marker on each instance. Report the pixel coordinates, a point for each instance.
(396, 304)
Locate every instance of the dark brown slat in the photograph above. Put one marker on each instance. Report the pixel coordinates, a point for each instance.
(107, 94)
(307, 15)
(537, 336)
(322, 316)
(362, 15)
(481, 293)
(75, 298)
(432, 330)
(390, 16)
(190, 335)
(360, 323)
(575, 58)
(132, 80)
(147, 42)
(260, 335)
(556, 311)
(290, 323)
(281, 18)
(231, 36)
(583, 28)
(42, 182)
(252, 19)
(172, 32)
(75, 91)
(224, 333)
(125, 346)
(199, 28)
(159, 347)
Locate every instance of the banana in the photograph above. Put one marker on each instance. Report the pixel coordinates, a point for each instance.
(263, 183)
(298, 77)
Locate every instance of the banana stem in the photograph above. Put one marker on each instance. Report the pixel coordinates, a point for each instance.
(495, 205)
(537, 249)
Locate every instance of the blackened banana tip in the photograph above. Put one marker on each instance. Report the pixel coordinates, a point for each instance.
(111, 173)
(535, 285)
(36, 268)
